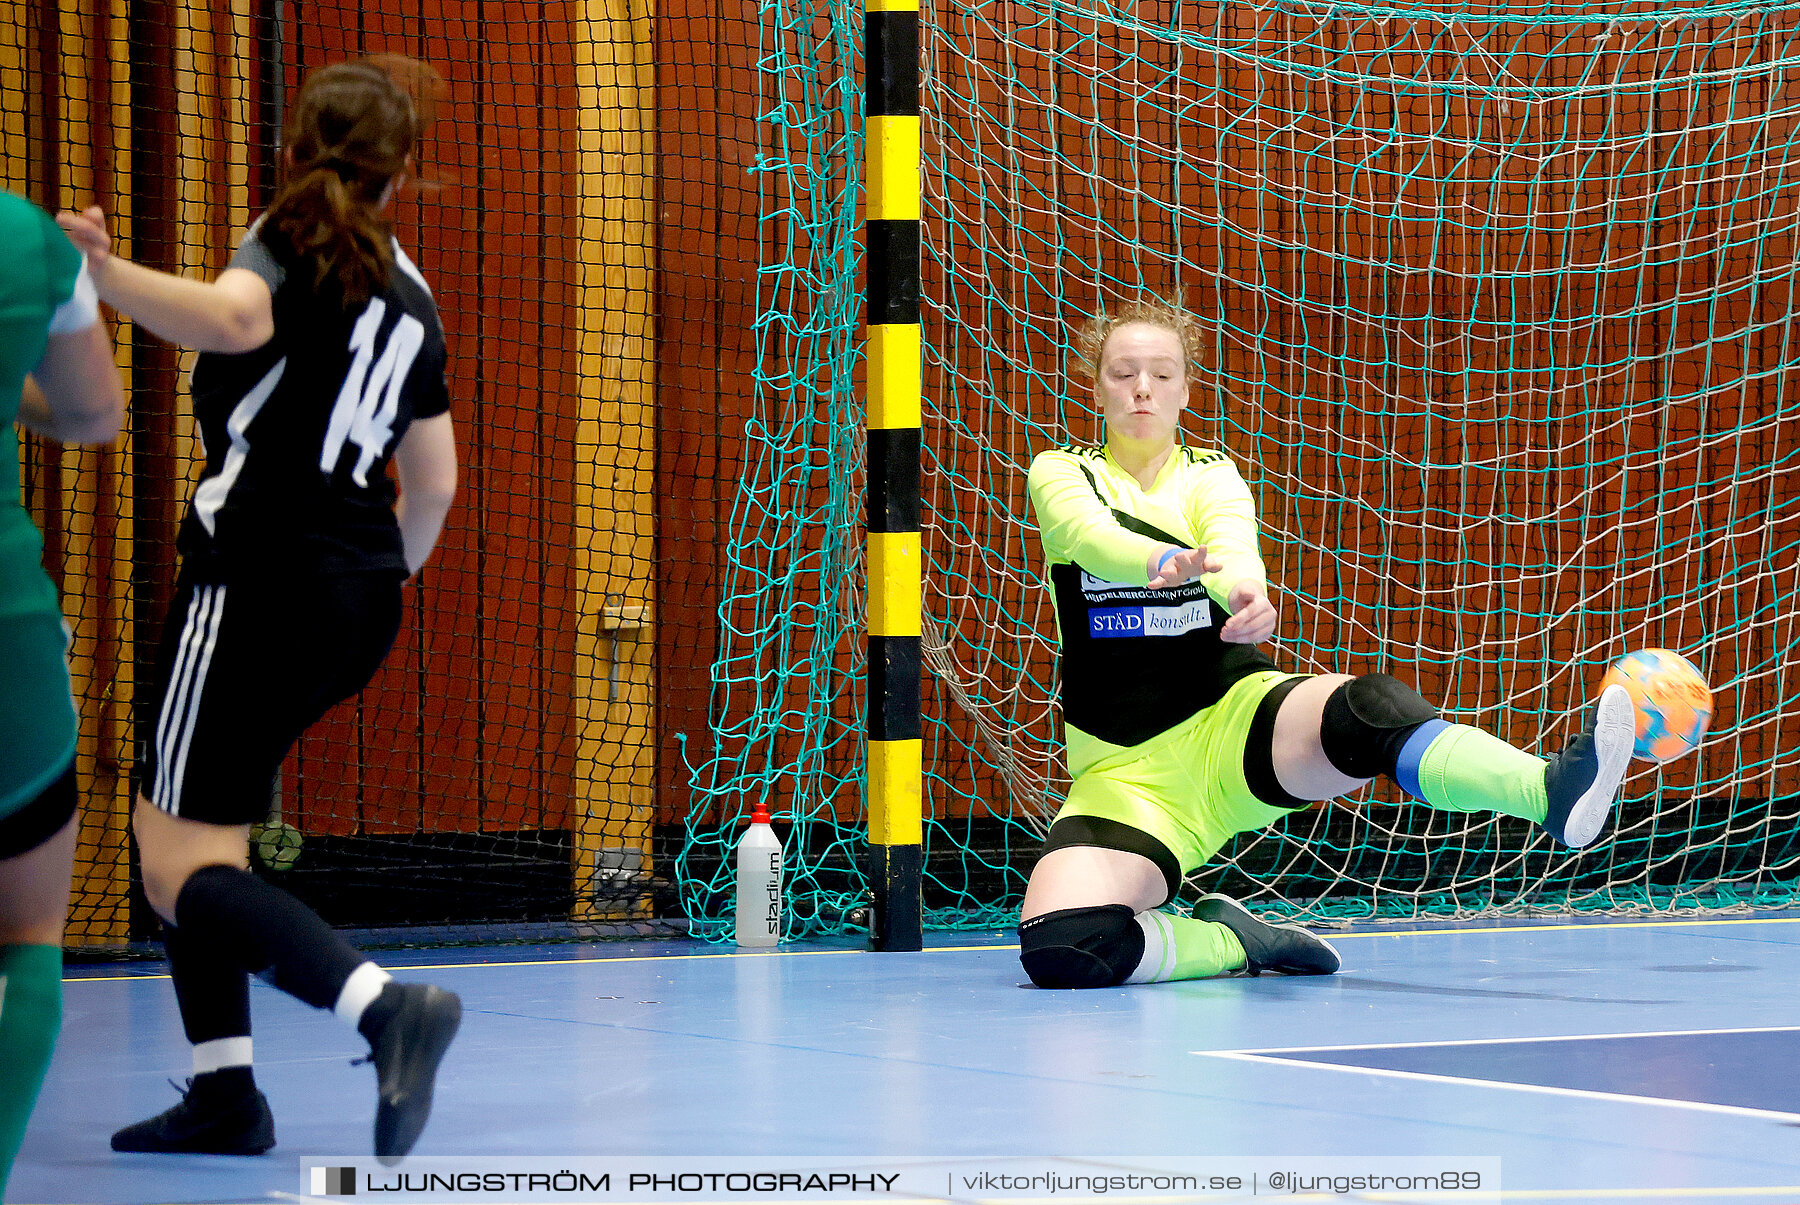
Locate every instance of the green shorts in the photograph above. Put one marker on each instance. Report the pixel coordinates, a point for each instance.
(37, 711)
(1185, 787)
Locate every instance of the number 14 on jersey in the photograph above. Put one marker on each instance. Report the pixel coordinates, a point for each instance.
(364, 413)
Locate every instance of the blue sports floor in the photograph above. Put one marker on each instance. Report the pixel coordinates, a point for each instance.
(1604, 1061)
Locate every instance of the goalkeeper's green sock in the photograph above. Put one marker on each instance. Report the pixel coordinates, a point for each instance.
(1571, 796)
(30, 1015)
(1456, 768)
(1179, 947)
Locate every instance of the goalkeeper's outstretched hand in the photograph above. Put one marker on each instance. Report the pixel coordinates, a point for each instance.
(1171, 566)
(1252, 614)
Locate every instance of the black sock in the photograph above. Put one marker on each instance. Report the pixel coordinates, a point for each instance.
(213, 994)
(263, 928)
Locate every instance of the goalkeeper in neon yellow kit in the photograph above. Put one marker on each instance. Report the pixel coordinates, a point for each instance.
(1182, 732)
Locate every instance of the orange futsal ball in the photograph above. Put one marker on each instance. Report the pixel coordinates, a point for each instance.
(1672, 701)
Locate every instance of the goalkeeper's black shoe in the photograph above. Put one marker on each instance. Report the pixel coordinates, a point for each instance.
(214, 1117)
(406, 1054)
(1582, 782)
(1282, 949)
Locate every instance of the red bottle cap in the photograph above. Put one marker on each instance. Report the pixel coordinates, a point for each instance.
(759, 812)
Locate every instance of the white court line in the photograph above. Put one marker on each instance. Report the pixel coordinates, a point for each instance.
(1461, 1081)
(1567, 1037)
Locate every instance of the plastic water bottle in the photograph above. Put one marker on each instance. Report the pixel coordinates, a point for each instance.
(759, 882)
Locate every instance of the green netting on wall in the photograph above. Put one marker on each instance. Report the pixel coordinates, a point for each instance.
(1500, 305)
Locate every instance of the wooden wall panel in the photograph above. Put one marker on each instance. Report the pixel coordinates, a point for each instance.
(468, 727)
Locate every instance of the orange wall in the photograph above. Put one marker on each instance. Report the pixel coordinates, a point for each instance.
(467, 726)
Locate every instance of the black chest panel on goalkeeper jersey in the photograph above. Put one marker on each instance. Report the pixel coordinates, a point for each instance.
(1136, 661)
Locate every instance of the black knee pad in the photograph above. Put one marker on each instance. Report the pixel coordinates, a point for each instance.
(1367, 720)
(1082, 947)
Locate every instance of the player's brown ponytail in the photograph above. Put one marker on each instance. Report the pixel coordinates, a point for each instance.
(351, 133)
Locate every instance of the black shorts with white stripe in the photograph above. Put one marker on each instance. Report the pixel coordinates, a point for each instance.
(246, 665)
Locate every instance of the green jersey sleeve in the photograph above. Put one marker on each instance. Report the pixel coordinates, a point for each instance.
(63, 272)
(1222, 513)
(1077, 526)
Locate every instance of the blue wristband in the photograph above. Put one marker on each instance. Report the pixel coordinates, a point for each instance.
(1163, 561)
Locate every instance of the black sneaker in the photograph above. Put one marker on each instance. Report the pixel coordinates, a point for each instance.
(206, 1121)
(1283, 949)
(406, 1055)
(1582, 782)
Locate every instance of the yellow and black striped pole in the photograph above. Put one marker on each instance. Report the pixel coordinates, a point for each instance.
(896, 583)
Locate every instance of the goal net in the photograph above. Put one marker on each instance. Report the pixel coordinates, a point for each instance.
(1500, 309)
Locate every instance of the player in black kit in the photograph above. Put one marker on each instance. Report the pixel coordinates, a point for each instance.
(322, 358)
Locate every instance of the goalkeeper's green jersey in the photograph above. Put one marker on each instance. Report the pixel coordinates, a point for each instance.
(1135, 661)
